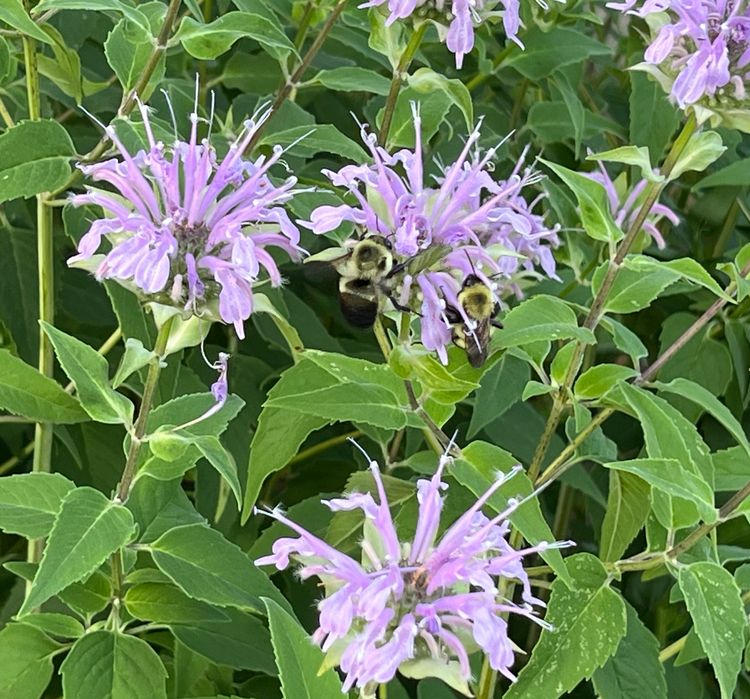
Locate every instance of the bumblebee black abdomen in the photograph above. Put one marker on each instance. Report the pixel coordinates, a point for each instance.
(359, 302)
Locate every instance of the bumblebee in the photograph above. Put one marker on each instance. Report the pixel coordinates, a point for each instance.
(366, 275)
(370, 273)
(479, 305)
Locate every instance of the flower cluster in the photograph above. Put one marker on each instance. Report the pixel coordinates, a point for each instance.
(625, 204)
(459, 16)
(700, 53)
(185, 229)
(483, 226)
(418, 607)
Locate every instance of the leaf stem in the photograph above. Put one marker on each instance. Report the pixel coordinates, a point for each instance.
(399, 74)
(325, 445)
(296, 77)
(139, 429)
(652, 193)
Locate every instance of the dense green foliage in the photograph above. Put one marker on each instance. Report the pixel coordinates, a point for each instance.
(623, 387)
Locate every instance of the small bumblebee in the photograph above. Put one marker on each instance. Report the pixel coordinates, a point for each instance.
(480, 306)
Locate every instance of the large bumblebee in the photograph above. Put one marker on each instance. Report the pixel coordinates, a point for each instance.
(370, 273)
(480, 306)
(367, 274)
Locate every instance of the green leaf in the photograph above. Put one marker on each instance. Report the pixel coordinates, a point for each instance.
(240, 642)
(668, 434)
(353, 79)
(628, 506)
(670, 477)
(540, 319)
(222, 460)
(110, 665)
(365, 402)
(298, 659)
(386, 39)
(27, 661)
(574, 106)
(593, 202)
(88, 528)
(426, 80)
(599, 379)
(653, 119)
(319, 138)
(701, 396)
(736, 174)
(134, 15)
(207, 567)
(55, 624)
(34, 157)
(589, 620)
(29, 502)
(686, 268)
(547, 51)
(12, 12)
(715, 605)
(24, 391)
(634, 671)
(159, 506)
(89, 371)
(477, 470)
(128, 49)
(501, 386)
(166, 604)
(703, 359)
(135, 358)
(702, 149)
(439, 384)
(630, 155)
(208, 41)
(634, 287)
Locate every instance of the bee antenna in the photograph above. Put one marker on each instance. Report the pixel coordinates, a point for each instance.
(471, 262)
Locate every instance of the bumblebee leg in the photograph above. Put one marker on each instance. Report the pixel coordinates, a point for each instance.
(496, 324)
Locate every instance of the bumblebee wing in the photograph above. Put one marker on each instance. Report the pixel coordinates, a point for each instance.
(476, 344)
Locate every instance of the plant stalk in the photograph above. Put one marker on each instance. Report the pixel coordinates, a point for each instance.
(43, 432)
(296, 77)
(398, 77)
(139, 429)
(652, 193)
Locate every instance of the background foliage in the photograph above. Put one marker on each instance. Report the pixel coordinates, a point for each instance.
(651, 604)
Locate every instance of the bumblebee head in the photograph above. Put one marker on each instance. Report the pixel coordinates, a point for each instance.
(371, 258)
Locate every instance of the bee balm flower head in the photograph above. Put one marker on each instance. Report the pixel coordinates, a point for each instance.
(420, 606)
(187, 229)
(700, 53)
(459, 223)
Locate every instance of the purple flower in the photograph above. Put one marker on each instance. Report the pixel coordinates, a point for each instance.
(473, 223)
(186, 229)
(456, 19)
(625, 205)
(421, 606)
(700, 51)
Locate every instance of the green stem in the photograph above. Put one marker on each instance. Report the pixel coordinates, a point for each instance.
(652, 193)
(487, 681)
(559, 465)
(400, 72)
(5, 114)
(304, 24)
(128, 100)
(291, 84)
(139, 429)
(45, 279)
(479, 78)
